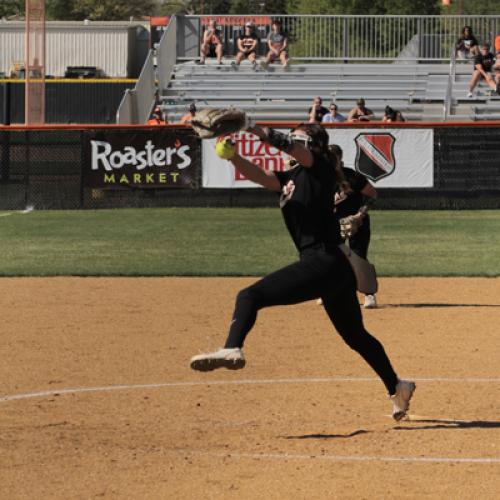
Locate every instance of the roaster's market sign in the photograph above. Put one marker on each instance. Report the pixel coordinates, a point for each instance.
(146, 159)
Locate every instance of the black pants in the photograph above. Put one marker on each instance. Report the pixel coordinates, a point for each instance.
(317, 274)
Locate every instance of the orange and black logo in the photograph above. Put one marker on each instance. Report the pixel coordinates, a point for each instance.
(375, 155)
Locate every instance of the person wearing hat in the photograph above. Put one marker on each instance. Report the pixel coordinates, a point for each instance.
(360, 113)
(190, 114)
(247, 46)
(157, 117)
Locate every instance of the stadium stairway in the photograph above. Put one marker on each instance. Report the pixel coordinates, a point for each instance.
(279, 94)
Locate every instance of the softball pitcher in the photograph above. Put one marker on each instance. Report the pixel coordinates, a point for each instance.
(306, 196)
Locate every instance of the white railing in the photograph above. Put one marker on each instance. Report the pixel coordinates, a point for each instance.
(449, 88)
(351, 38)
(137, 103)
(166, 53)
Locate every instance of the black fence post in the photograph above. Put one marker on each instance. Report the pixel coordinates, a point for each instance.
(28, 169)
(83, 160)
(5, 136)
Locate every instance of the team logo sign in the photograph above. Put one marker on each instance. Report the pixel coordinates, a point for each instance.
(375, 155)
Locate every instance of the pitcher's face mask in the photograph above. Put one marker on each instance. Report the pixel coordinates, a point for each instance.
(300, 138)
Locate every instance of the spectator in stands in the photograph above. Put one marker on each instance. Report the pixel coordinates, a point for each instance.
(467, 45)
(211, 44)
(360, 113)
(278, 46)
(247, 46)
(157, 117)
(483, 64)
(333, 116)
(496, 71)
(189, 115)
(392, 115)
(317, 111)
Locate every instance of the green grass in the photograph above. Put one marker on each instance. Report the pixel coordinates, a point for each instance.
(204, 242)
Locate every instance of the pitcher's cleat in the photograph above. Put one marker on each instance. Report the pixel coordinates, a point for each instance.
(232, 359)
(370, 302)
(401, 400)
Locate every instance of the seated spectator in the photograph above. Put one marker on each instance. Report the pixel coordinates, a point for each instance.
(211, 43)
(467, 45)
(496, 71)
(333, 116)
(483, 64)
(189, 115)
(392, 115)
(278, 46)
(360, 113)
(157, 117)
(247, 46)
(317, 111)
(399, 117)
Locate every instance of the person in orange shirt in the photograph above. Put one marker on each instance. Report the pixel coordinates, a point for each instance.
(157, 117)
(189, 115)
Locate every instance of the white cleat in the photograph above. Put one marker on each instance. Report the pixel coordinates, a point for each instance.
(401, 400)
(232, 359)
(370, 302)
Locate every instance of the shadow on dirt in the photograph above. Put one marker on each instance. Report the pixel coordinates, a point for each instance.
(450, 424)
(328, 436)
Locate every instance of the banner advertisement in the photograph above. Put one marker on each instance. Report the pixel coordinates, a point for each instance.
(389, 158)
(164, 158)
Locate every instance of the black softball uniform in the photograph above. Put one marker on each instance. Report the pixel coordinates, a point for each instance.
(322, 270)
(349, 203)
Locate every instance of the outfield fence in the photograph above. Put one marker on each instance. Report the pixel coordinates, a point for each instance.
(113, 166)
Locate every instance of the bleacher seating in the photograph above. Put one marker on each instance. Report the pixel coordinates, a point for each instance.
(417, 90)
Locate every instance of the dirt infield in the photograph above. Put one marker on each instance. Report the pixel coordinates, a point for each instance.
(97, 400)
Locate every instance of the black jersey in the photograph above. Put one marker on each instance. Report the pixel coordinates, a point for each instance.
(306, 201)
(349, 203)
(486, 61)
(248, 40)
(319, 113)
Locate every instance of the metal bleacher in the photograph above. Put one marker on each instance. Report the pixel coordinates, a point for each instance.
(417, 90)
(485, 104)
(421, 79)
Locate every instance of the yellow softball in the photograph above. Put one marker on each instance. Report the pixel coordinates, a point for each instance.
(225, 149)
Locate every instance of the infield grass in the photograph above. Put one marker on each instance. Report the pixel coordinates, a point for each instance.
(204, 242)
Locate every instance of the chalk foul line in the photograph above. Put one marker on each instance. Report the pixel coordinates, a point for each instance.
(343, 458)
(129, 387)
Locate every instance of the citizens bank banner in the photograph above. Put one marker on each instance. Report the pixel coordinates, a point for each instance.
(165, 158)
(390, 158)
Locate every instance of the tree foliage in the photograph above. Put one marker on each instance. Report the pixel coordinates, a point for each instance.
(100, 10)
(11, 8)
(365, 7)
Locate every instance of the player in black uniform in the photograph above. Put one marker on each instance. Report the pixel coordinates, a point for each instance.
(353, 197)
(307, 195)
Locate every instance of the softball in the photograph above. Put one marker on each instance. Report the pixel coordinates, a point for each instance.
(225, 149)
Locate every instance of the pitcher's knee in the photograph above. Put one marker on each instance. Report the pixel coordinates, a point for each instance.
(355, 339)
(249, 294)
